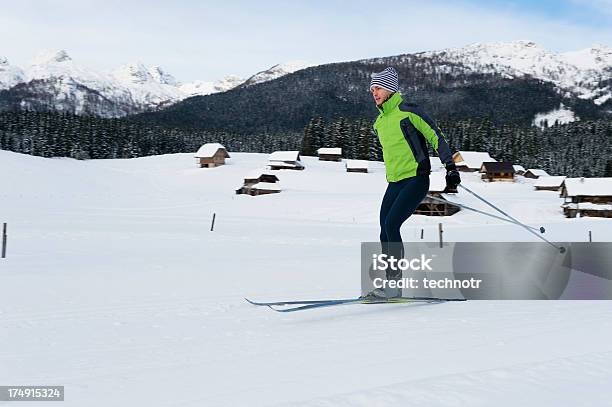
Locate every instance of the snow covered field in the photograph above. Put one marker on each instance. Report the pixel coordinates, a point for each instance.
(115, 287)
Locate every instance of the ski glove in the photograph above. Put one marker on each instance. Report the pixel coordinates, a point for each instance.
(452, 179)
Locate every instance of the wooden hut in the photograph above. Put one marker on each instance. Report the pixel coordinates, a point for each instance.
(259, 176)
(471, 161)
(259, 188)
(587, 197)
(430, 207)
(330, 154)
(285, 160)
(356, 166)
(211, 155)
(535, 173)
(549, 183)
(572, 210)
(259, 182)
(595, 190)
(497, 171)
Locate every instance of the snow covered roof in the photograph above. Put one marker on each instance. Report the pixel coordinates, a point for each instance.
(588, 205)
(472, 159)
(285, 164)
(209, 149)
(284, 156)
(356, 164)
(555, 181)
(588, 186)
(538, 173)
(518, 168)
(495, 166)
(257, 173)
(330, 150)
(268, 186)
(437, 182)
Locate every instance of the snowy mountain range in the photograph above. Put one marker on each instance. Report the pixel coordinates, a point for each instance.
(57, 82)
(515, 83)
(580, 73)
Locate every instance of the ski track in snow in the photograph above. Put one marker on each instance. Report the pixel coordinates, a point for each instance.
(115, 288)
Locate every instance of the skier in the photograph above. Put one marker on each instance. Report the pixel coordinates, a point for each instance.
(402, 129)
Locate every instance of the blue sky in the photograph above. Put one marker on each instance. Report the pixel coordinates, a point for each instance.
(209, 39)
(581, 12)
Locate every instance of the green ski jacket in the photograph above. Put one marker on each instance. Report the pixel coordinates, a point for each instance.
(402, 129)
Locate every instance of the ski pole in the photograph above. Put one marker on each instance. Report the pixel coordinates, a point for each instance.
(560, 248)
(541, 229)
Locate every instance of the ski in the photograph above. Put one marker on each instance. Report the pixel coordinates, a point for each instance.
(321, 304)
(308, 302)
(292, 302)
(311, 304)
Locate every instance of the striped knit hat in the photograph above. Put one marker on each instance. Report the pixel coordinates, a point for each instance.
(386, 79)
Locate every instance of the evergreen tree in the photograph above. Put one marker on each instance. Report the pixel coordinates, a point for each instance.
(608, 169)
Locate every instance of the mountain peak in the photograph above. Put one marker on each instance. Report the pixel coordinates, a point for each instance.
(511, 46)
(276, 71)
(51, 56)
(161, 76)
(9, 75)
(207, 87)
(134, 73)
(525, 43)
(291, 66)
(139, 74)
(597, 57)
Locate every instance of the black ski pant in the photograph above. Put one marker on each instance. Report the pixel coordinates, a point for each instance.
(399, 202)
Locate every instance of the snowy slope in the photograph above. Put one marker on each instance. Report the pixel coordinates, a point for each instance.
(148, 85)
(206, 88)
(67, 79)
(115, 287)
(598, 57)
(9, 75)
(579, 72)
(276, 72)
(561, 115)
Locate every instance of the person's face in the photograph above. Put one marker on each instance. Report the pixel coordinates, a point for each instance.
(379, 94)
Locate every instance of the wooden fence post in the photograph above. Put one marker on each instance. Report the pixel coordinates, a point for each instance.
(212, 224)
(4, 240)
